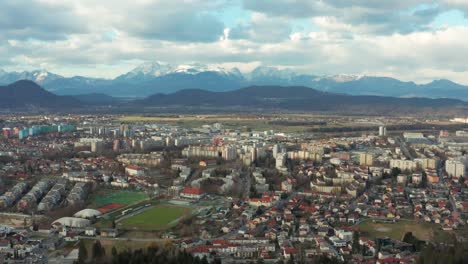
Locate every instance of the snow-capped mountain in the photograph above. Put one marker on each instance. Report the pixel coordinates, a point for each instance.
(264, 72)
(38, 76)
(159, 77)
(341, 78)
(148, 69)
(197, 68)
(152, 70)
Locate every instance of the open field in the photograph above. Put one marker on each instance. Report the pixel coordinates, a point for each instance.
(156, 218)
(109, 196)
(422, 230)
(292, 122)
(233, 122)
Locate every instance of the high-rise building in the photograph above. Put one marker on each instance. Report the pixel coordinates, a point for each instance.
(229, 153)
(366, 159)
(280, 160)
(7, 132)
(382, 131)
(455, 168)
(116, 146)
(97, 146)
(403, 164)
(276, 150)
(443, 133)
(429, 163)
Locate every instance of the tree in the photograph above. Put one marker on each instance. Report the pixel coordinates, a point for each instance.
(253, 192)
(356, 246)
(411, 239)
(114, 252)
(284, 196)
(98, 250)
(82, 252)
(423, 183)
(395, 171)
(35, 226)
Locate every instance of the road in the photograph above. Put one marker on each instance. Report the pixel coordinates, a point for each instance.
(455, 212)
(126, 239)
(190, 176)
(404, 148)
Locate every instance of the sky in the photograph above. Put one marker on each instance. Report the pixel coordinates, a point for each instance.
(412, 40)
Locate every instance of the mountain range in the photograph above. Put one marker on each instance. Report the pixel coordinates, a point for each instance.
(157, 77)
(297, 98)
(26, 95)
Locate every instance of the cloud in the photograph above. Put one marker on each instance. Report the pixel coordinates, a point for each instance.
(314, 53)
(286, 8)
(307, 8)
(457, 4)
(21, 19)
(262, 28)
(382, 22)
(379, 17)
(107, 38)
(174, 20)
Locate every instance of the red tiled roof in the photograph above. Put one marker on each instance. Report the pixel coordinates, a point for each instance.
(192, 190)
(290, 250)
(109, 207)
(262, 200)
(133, 167)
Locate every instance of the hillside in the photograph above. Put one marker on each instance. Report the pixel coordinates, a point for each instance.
(296, 98)
(26, 94)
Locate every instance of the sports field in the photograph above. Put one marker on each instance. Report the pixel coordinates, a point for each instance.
(156, 218)
(423, 231)
(107, 196)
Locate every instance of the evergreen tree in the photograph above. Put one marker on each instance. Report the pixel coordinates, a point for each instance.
(423, 183)
(98, 250)
(114, 252)
(356, 246)
(82, 252)
(395, 171)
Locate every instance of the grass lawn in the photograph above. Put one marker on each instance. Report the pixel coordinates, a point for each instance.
(107, 196)
(158, 217)
(423, 231)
